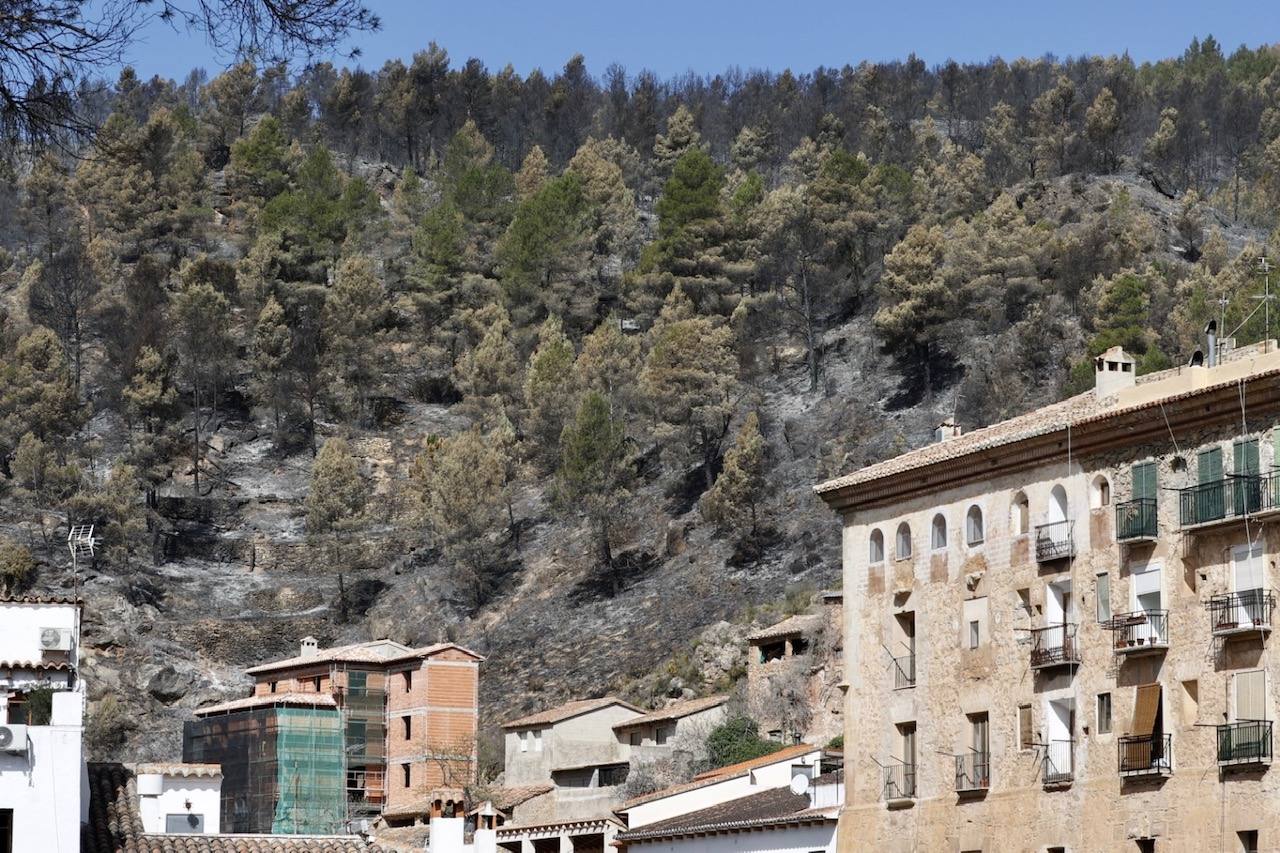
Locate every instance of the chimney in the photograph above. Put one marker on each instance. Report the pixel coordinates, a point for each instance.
(946, 430)
(310, 646)
(1113, 371)
(1211, 343)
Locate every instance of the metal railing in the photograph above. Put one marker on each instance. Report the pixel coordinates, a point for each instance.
(904, 671)
(900, 782)
(1142, 629)
(1136, 520)
(1143, 755)
(1054, 645)
(1234, 496)
(973, 771)
(1059, 762)
(1054, 541)
(1244, 742)
(1246, 610)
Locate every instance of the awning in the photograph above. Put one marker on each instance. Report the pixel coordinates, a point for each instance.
(1145, 709)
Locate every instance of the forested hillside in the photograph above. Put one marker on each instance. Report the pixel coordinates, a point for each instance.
(549, 364)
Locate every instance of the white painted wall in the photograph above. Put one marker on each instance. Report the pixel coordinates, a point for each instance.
(48, 787)
(776, 775)
(203, 792)
(22, 622)
(800, 839)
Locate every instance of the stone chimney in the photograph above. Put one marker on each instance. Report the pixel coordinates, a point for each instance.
(1113, 371)
(946, 430)
(310, 646)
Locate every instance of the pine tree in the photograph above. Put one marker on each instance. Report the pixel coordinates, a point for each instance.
(681, 137)
(17, 566)
(36, 393)
(1102, 126)
(337, 495)
(353, 347)
(548, 392)
(272, 343)
(488, 375)
(532, 174)
(202, 324)
(916, 302)
(734, 501)
(594, 473)
(542, 255)
(149, 397)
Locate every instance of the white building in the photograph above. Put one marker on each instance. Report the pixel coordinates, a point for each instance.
(43, 783)
(180, 798)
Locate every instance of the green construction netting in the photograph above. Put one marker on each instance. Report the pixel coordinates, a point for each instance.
(310, 772)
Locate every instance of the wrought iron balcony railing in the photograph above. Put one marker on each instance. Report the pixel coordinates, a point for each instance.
(1136, 520)
(973, 771)
(899, 782)
(1140, 631)
(1245, 611)
(1059, 762)
(1244, 742)
(1145, 755)
(1054, 541)
(1054, 645)
(1232, 497)
(904, 671)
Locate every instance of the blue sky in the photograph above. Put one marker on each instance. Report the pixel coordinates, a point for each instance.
(706, 36)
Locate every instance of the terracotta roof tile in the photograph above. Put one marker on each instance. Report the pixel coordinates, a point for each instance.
(776, 805)
(504, 799)
(422, 802)
(178, 768)
(375, 651)
(803, 623)
(567, 710)
(36, 664)
(37, 599)
(115, 826)
(721, 774)
(674, 711)
(314, 700)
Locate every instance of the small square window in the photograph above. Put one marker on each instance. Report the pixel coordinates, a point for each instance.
(975, 633)
(1104, 713)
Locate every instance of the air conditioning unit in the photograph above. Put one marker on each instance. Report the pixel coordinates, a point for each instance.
(13, 740)
(55, 639)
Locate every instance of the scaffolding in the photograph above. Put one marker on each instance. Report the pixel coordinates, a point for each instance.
(282, 768)
(364, 720)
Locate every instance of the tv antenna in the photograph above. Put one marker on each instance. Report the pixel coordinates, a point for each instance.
(1264, 267)
(81, 544)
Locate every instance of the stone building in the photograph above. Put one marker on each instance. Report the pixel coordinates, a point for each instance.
(1057, 628)
(794, 675)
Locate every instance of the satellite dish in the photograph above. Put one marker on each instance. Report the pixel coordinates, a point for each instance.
(799, 784)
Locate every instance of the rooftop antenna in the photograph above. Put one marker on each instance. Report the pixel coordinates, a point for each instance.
(80, 542)
(1264, 267)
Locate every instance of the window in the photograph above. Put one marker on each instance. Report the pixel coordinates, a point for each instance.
(6, 830)
(876, 547)
(973, 530)
(404, 775)
(408, 727)
(613, 775)
(1099, 492)
(664, 735)
(1248, 840)
(273, 686)
(182, 824)
(537, 740)
(525, 740)
(1104, 597)
(975, 633)
(1104, 713)
(315, 682)
(1146, 845)
(1026, 729)
(979, 733)
(1019, 514)
(939, 538)
(1190, 702)
(903, 551)
(1144, 481)
(636, 739)
(357, 683)
(1250, 695)
(408, 680)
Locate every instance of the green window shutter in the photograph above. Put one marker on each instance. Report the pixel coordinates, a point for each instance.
(1209, 465)
(1144, 481)
(1245, 453)
(1275, 449)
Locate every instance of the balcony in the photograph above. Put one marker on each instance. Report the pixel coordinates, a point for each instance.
(1219, 502)
(899, 784)
(904, 672)
(973, 772)
(1244, 743)
(1141, 632)
(1054, 541)
(1054, 645)
(1145, 755)
(1136, 521)
(1245, 612)
(1059, 762)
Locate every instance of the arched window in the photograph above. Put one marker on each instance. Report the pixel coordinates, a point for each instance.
(1100, 493)
(1020, 514)
(876, 548)
(974, 533)
(938, 539)
(1057, 504)
(903, 551)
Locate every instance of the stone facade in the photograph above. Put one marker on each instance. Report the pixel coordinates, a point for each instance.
(1001, 697)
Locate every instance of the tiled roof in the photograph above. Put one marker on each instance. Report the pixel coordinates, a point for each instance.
(313, 700)
(803, 623)
(567, 710)
(37, 599)
(422, 802)
(674, 711)
(42, 665)
(505, 799)
(116, 827)
(177, 768)
(1247, 363)
(771, 807)
(722, 774)
(375, 651)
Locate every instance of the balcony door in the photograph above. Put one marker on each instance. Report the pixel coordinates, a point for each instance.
(1058, 606)
(1248, 580)
(1246, 485)
(1144, 582)
(1060, 723)
(1210, 500)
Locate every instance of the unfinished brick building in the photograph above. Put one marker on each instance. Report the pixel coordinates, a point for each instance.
(1057, 628)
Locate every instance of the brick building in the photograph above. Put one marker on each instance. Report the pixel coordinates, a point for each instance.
(1058, 628)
